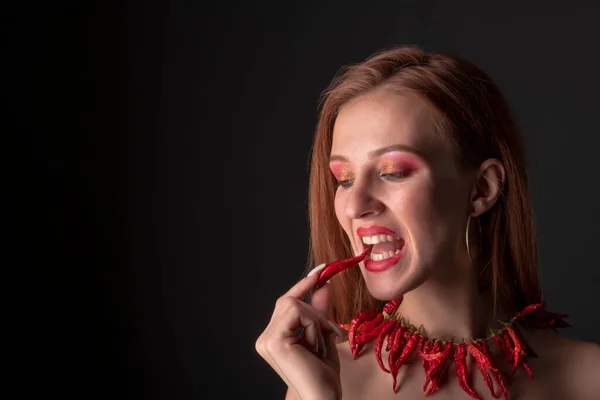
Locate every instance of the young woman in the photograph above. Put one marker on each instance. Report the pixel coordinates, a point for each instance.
(417, 158)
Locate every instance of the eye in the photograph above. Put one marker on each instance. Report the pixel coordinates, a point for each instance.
(395, 176)
(344, 183)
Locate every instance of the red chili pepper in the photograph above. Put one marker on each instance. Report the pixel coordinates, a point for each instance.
(372, 323)
(356, 323)
(436, 365)
(504, 343)
(527, 368)
(392, 335)
(341, 326)
(414, 340)
(527, 310)
(424, 352)
(336, 267)
(498, 337)
(367, 317)
(387, 330)
(485, 349)
(391, 306)
(460, 356)
(517, 348)
(543, 319)
(548, 324)
(396, 347)
(519, 354)
(370, 331)
(353, 326)
(483, 364)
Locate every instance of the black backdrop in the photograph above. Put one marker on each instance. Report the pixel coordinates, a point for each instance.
(164, 172)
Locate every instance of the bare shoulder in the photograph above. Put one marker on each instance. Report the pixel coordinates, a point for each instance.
(576, 365)
(582, 361)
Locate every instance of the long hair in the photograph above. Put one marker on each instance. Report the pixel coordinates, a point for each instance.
(474, 116)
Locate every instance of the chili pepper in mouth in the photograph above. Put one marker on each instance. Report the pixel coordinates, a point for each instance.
(332, 269)
(338, 266)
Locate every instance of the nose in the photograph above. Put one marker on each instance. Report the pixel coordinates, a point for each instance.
(362, 202)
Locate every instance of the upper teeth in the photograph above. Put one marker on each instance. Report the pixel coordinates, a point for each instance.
(378, 239)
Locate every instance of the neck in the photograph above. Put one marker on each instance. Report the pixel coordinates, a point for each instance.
(453, 310)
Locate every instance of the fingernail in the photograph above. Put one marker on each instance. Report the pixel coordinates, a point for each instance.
(335, 329)
(316, 269)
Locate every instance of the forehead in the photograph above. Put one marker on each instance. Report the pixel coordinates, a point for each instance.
(382, 118)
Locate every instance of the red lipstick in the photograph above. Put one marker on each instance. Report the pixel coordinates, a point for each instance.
(381, 265)
(374, 230)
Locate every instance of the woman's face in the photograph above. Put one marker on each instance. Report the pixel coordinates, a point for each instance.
(399, 186)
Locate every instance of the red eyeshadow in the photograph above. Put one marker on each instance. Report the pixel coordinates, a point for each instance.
(398, 161)
(340, 170)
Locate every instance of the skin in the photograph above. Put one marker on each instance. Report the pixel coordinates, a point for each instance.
(427, 201)
(427, 207)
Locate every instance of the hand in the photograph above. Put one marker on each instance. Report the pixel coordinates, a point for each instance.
(309, 365)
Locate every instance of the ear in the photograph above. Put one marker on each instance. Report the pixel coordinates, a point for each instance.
(489, 182)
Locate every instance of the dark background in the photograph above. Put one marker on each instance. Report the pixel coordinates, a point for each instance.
(163, 180)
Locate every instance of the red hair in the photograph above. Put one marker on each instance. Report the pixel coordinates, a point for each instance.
(474, 116)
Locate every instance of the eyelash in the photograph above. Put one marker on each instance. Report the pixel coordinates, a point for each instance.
(396, 176)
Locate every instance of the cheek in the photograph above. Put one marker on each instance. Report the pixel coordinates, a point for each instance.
(415, 207)
(429, 212)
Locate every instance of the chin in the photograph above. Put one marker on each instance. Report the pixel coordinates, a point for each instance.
(393, 283)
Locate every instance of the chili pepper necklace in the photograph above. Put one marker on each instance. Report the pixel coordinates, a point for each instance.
(404, 339)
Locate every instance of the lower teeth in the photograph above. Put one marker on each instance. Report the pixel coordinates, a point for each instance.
(384, 255)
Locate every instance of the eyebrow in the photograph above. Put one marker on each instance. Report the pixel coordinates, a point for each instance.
(379, 152)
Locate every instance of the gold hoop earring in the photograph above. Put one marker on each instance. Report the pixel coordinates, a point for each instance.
(467, 237)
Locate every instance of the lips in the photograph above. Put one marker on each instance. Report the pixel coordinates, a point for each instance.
(387, 247)
(374, 230)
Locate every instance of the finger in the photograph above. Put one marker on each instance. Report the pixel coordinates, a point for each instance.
(311, 337)
(314, 331)
(322, 346)
(322, 300)
(324, 305)
(296, 314)
(331, 355)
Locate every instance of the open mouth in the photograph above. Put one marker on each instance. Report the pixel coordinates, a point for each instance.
(383, 246)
